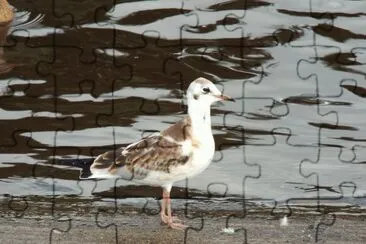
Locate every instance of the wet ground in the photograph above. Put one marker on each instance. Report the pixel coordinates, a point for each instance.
(79, 78)
(80, 221)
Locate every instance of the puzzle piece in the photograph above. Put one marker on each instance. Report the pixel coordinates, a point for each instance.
(330, 101)
(80, 78)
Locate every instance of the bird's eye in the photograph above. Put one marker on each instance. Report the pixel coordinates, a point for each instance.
(206, 90)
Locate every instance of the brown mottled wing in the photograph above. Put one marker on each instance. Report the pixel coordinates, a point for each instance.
(106, 159)
(155, 153)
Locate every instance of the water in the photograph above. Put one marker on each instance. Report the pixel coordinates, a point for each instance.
(297, 70)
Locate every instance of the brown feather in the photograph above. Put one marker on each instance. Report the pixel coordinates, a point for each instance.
(154, 153)
(180, 131)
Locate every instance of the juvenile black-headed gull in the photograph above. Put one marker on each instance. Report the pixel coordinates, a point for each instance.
(182, 150)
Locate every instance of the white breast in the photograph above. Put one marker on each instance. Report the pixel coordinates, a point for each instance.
(201, 158)
(203, 155)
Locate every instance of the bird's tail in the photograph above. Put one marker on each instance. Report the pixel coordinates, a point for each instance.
(104, 167)
(83, 164)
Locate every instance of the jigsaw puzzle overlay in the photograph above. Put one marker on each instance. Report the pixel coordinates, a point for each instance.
(81, 78)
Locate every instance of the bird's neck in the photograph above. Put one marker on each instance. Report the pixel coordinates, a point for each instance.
(6, 12)
(200, 116)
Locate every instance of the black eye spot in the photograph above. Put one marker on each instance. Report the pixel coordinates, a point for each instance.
(206, 90)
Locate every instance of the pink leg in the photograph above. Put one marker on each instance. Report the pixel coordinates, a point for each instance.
(163, 215)
(171, 221)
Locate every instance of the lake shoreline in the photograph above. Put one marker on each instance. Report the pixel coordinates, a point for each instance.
(84, 221)
(138, 228)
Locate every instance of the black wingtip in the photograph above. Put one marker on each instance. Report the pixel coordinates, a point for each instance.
(83, 164)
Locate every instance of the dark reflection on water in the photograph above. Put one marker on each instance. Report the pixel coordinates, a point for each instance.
(80, 78)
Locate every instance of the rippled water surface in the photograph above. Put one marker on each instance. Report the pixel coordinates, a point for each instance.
(80, 78)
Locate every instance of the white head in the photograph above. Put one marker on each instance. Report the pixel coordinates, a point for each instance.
(201, 93)
(205, 92)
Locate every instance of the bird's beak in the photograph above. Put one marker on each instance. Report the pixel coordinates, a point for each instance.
(226, 98)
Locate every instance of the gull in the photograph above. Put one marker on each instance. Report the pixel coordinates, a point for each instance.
(181, 151)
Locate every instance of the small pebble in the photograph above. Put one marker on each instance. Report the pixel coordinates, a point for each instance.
(284, 221)
(228, 230)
